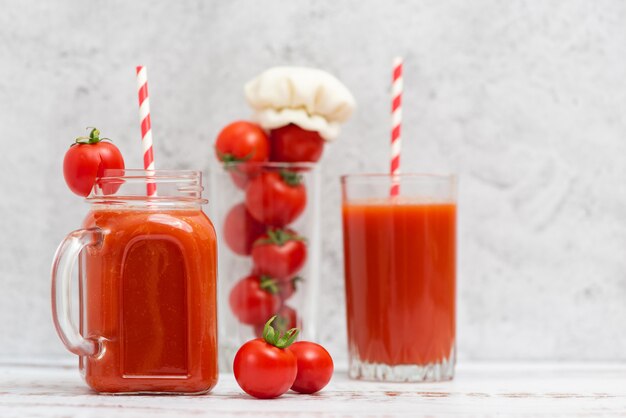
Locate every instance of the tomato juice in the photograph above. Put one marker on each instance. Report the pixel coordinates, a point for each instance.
(400, 273)
(148, 293)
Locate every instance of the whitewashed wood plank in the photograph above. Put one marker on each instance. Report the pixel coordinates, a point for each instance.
(482, 390)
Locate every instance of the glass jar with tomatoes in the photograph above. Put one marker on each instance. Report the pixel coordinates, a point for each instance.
(267, 218)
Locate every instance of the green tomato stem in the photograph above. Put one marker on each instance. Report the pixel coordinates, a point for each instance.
(276, 338)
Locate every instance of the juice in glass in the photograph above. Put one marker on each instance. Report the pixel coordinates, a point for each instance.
(400, 276)
(150, 293)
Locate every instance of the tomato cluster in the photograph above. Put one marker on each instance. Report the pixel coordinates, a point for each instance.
(259, 226)
(269, 366)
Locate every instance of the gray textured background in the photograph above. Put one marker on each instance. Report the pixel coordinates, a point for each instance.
(525, 100)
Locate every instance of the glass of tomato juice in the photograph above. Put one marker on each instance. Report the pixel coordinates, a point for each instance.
(147, 286)
(400, 276)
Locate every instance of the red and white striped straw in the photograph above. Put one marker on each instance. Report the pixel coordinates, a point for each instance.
(146, 128)
(396, 124)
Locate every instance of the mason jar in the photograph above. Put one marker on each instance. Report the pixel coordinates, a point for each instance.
(147, 284)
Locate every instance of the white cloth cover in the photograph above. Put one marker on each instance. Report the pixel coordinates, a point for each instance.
(310, 98)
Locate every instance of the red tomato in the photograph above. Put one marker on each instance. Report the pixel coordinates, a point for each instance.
(241, 230)
(242, 141)
(288, 288)
(286, 319)
(253, 300)
(315, 367)
(242, 173)
(264, 371)
(276, 198)
(265, 368)
(279, 253)
(293, 144)
(87, 159)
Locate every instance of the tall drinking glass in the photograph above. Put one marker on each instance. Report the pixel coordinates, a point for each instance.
(400, 276)
(267, 221)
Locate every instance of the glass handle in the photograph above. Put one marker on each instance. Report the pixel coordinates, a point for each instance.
(64, 261)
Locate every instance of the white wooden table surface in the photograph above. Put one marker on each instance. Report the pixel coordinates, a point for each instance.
(565, 390)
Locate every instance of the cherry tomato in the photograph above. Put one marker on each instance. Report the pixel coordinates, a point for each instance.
(286, 319)
(286, 289)
(264, 367)
(87, 159)
(254, 299)
(279, 253)
(315, 367)
(241, 230)
(242, 173)
(242, 141)
(276, 198)
(293, 144)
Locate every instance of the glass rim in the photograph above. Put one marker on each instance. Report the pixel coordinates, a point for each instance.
(140, 173)
(418, 176)
(269, 164)
(129, 186)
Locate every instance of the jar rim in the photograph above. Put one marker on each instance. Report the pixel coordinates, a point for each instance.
(131, 186)
(141, 173)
